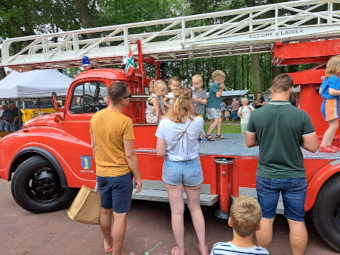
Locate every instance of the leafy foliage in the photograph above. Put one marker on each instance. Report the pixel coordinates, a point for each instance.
(26, 17)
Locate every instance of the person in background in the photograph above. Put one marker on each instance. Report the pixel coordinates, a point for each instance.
(259, 101)
(227, 113)
(1, 121)
(116, 160)
(6, 117)
(155, 103)
(174, 85)
(14, 119)
(235, 105)
(280, 130)
(244, 113)
(177, 140)
(199, 96)
(293, 100)
(213, 105)
(245, 217)
(223, 107)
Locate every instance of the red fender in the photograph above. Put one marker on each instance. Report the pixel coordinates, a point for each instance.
(318, 179)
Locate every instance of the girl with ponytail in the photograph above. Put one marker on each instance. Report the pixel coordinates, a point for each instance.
(177, 140)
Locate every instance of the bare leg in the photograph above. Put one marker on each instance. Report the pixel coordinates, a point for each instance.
(330, 132)
(265, 235)
(118, 232)
(175, 194)
(105, 225)
(194, 205)
(298, 237)
(213, 125)
(219, 124)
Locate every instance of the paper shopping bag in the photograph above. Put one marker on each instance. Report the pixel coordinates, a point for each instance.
(86, 206)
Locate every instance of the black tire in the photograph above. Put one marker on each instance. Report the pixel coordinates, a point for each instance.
(326, 212)
(36, 187)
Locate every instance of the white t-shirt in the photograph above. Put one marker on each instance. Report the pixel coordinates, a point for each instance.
(245, 113)
(230, 249)
(181, 147)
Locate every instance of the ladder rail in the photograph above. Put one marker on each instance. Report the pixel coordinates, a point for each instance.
(165, 33)
(243, 29)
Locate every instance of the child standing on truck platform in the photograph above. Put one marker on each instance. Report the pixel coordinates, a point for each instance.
(330, 91)
(155, 103)
(245, 217)
(199, 96)
(213, 105)
(174, 85)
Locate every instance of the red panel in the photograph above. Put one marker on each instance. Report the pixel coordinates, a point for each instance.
(308, 77)
(210, 172)
(310, 52)
(145, 138)
(247, 171)
(150, 166)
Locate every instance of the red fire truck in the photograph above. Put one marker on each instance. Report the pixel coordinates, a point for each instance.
(51, 155)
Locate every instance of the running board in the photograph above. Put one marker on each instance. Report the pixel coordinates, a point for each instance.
(162, 196)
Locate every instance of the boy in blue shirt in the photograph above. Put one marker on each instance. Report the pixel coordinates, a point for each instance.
(213, 105)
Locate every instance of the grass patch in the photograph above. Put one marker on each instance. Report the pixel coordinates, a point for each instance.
(226, 129)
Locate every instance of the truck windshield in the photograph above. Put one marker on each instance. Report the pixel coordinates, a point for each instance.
(88, 97)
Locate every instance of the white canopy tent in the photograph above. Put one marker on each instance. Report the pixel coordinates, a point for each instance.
(34, 84)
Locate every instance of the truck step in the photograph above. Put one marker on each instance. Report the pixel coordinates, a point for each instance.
(162, 196)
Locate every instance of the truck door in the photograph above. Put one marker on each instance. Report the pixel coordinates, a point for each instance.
(87, 99)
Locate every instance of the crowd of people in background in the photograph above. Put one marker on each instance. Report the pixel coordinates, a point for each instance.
(9, 118)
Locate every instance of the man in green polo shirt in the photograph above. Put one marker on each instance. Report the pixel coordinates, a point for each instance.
(280, 130)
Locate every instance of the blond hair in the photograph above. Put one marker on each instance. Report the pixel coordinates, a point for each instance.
(282, 83)
(174, 79)
(197, 77)
(181, 108)
(333, 66)
(155, 84)
(218, 73)
(245, 214)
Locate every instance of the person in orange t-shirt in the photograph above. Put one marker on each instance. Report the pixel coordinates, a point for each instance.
(116, 163)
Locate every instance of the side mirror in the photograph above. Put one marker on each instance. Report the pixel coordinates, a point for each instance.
(55, 101)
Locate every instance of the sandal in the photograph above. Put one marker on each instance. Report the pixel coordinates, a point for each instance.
(220, 137)
(327, 149)
(107, 250)
(209, 137)
(335, 147)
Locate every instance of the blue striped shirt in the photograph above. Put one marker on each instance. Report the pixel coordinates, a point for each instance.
(230, 249)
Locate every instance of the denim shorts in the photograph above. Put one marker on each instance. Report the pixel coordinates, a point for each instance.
(293, 194)
(188, 172)
(116, 192)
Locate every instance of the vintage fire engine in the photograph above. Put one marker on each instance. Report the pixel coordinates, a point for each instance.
(51, 156)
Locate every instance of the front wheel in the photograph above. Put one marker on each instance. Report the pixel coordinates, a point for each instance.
(326, 212)
(36, 187)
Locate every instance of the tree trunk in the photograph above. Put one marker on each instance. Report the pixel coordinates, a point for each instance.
(255, 64)
(276, 70)
(85, 15)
